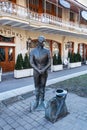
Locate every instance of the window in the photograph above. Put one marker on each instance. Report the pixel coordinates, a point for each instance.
(33, 2)
(59, 12)
(55, 48)
(47, 45)
(43, 5)
(10, 54)
(55, 10)
(48, 7)
(72, 16)
(33, 5)
(2, 55)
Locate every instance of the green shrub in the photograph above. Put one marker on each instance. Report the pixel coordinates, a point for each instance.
(74, 57)
(71, 57)
(69, 54)
(55, 62)
(26, 63)
(19, 62)
(22, 64)
(57, 59)
(79, 57)
(21, 59)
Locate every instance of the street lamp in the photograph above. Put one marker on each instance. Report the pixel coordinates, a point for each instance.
(28, 43)
(68, 45)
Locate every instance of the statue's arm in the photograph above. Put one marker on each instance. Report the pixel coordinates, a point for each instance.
(48, 63)
(32, 62)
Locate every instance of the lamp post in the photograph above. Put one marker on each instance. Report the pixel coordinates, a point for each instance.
(68, 45)
(28, 43)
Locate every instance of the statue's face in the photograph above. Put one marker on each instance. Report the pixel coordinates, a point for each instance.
(41, 44)
(41, 39)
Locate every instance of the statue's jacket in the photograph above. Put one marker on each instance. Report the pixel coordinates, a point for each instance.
(40, 58)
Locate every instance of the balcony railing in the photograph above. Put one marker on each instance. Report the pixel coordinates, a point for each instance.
(8, 8)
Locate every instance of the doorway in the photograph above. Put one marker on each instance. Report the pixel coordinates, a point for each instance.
(7, 58)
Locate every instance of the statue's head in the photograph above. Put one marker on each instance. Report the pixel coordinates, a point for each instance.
(41, 39)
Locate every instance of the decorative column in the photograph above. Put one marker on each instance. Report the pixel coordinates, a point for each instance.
(45, 6)
(79, 18)
(62, 48)
(57, 8)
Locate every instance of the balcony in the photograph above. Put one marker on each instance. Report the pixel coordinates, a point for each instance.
(18, 16)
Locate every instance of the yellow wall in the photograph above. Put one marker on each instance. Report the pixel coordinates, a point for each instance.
(21, 37)
(21, 2)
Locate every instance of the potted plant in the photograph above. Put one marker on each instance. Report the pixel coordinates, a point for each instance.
(19, 62)
(26, 65)
(74, 60)
(57, 63)
(22, 67)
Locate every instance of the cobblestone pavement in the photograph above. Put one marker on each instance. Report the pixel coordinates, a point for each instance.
(16, 116)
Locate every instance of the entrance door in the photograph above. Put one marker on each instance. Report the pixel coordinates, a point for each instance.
(7, 58)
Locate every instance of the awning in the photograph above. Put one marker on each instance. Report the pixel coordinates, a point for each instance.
(65, 4)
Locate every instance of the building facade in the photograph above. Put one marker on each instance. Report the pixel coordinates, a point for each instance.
(63, 23)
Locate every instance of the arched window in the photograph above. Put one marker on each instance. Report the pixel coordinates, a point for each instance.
(47, 44)
(55, 48)
(82, 49)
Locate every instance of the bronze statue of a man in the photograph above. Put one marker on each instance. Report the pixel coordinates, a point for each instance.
(40, 60)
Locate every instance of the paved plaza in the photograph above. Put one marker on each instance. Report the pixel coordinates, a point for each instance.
(15, 111)
(17, 116)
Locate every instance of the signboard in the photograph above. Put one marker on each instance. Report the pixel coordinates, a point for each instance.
(84, 14)
(64, 4)
(6, 39)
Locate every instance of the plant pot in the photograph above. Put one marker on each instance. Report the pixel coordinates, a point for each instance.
(31, 71)
(57, 67)
(73, 65)
(23, 73)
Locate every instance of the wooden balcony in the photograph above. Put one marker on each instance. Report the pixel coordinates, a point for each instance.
(17, 16)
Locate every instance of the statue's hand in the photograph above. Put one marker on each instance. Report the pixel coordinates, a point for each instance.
(41, 71)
